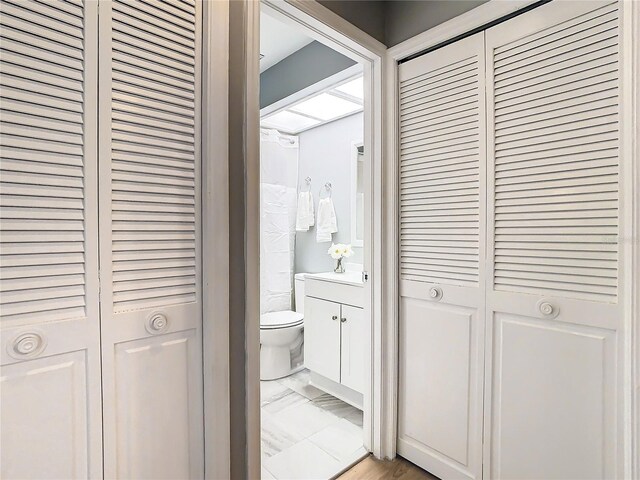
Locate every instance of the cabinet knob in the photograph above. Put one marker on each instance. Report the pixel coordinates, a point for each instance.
(335, 317)
(343, 319)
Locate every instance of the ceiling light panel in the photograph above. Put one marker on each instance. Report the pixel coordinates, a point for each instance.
(326, 107)
(354, 88)
(289, 122)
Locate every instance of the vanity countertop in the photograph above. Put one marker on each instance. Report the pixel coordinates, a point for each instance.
(348, 278)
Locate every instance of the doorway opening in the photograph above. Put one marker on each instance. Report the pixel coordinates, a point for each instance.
(316, 220)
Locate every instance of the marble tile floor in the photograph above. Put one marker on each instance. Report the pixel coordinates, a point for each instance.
(307, 434)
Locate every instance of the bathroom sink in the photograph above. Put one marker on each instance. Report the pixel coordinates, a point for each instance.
(349, 278)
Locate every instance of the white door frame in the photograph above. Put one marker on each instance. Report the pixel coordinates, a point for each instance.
(630, 213)
(327, 27)
(215, 238)
(630, 173)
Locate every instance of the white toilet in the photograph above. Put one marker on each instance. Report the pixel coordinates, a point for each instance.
(280, 335)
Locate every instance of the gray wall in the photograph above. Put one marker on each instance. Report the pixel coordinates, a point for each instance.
(325, 156)
(367, 15)
(238, 401)
(309, 65)
(405, 19)
(393, 21)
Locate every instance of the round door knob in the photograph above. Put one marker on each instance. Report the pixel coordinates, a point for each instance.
(334, 317)
(435, 293)
(548, 309)
(27, 344)
(157, 323)
(343, 319)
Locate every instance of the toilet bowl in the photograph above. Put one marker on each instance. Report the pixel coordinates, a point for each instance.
(281, 334)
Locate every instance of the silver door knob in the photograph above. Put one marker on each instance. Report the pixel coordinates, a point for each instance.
(343, 319)
(334, 317)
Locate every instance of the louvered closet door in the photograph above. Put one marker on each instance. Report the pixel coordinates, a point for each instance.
(50, 352)
(442, 158)
(553, 301)
(150, 238)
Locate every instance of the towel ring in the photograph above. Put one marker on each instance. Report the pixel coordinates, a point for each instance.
(307, 181)
(327, 188)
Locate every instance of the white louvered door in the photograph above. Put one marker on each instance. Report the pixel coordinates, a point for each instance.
(49, 315)
(151, 304)
(553, 310)
(442, 178)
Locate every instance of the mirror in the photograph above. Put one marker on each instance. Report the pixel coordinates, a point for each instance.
(357, 194)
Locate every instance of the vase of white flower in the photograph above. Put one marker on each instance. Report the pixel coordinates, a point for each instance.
(338, 253)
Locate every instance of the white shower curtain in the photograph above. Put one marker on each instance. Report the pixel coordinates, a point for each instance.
(278, 187)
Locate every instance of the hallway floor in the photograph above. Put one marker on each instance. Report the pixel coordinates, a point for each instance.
(397, 469)
(307, 434)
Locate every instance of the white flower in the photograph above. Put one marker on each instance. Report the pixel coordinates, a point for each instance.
(335, 251)
(347, 251)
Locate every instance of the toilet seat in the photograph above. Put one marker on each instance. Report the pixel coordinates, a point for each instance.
(284, 319)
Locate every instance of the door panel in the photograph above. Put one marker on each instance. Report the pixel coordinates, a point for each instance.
(155, 377)
(322, 337)
(49, 314)
(561, 412)
(442, 231)
(150, 238)
(553, 298)
(352, 347)
(435, 405)
(45, 431)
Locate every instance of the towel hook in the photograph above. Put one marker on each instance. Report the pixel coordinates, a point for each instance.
(327, 187)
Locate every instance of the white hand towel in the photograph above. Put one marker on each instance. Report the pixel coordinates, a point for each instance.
(327, 222)
(304, 214)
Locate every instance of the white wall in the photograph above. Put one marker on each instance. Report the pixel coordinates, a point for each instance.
(325, 156)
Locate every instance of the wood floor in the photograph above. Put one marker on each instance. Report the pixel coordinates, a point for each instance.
(397, 469)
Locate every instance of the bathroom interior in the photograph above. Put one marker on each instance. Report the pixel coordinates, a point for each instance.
(313, 325)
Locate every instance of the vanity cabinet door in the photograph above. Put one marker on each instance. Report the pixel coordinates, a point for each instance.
(352, 348)
(322, 337)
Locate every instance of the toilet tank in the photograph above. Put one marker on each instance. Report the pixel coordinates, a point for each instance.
(299, 292)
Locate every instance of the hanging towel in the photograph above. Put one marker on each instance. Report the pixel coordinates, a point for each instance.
(304, 215)
(327, 223)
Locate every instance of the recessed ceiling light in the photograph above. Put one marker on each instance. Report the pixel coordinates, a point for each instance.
(289, 122)
(354, 88)
(326, 107)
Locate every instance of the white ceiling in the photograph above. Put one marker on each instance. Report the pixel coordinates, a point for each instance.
(278, 40)
(327, 105)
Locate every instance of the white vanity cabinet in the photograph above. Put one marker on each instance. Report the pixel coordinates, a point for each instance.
(335, 335)
(352, 347)
(322, 331)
